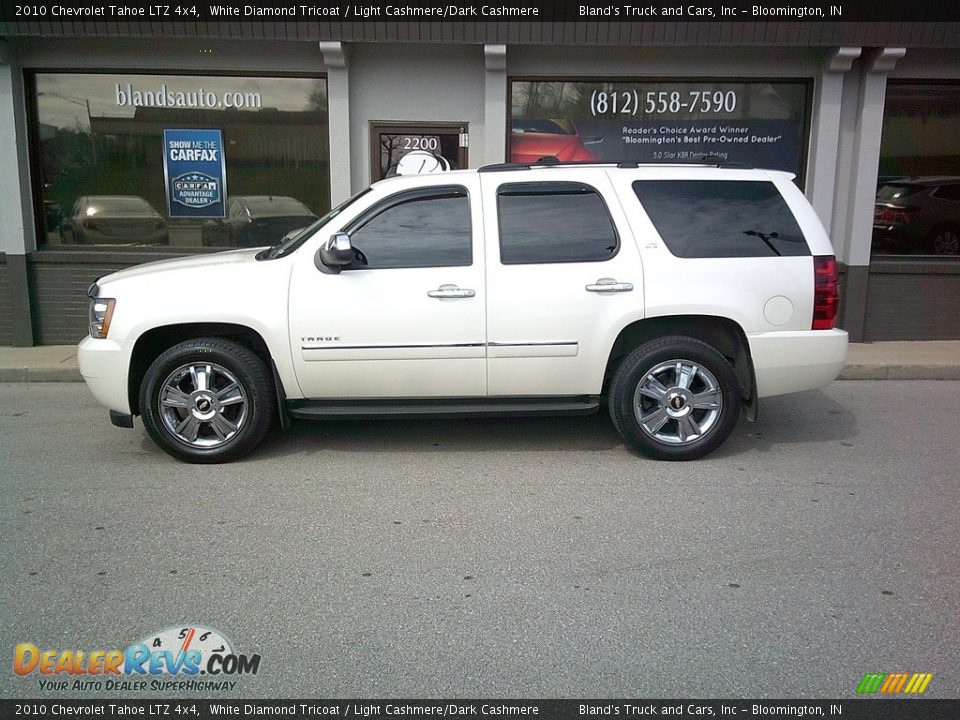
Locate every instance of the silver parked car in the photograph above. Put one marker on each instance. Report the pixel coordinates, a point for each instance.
(113, 220)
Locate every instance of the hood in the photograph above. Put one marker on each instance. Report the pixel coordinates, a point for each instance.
(193, 262)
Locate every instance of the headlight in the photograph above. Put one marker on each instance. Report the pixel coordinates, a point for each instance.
(101, 312)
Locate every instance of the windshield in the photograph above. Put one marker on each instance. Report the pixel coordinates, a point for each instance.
(299, 238)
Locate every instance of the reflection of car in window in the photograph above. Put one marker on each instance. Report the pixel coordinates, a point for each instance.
(919, 216)
(531, 140)
(113, 220)
(256, 221)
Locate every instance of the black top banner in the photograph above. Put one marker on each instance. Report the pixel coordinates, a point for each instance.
(866, 709)
(630, 11)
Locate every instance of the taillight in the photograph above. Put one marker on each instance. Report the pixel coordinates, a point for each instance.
(886, 215)
(826, 295)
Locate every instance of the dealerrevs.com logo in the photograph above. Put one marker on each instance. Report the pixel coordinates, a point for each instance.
(191, 658)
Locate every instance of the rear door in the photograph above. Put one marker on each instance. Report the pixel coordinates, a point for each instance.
(564, 275)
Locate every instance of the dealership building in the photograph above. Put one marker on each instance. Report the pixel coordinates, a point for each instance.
(126, 142)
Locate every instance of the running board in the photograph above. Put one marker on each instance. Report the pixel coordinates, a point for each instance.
(446, 408)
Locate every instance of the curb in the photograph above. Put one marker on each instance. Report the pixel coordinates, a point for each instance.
(900, 372)
(41, 374)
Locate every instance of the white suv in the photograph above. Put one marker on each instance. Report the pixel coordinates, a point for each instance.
(674, 293)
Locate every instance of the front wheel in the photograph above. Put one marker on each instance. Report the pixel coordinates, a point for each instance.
(675, 398)
(208, 400)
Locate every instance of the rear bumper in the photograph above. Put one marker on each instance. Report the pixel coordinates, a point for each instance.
(104, 365)
(787, 362)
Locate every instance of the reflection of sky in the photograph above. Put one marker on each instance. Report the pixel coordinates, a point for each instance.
(552, 228)
(709, 218)
(64, 104)
(432, 232)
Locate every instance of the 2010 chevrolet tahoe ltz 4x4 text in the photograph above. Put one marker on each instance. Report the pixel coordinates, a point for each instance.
(676, 293)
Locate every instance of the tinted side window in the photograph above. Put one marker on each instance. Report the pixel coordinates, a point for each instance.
(420, 228)
(554, 222)
(721, 218)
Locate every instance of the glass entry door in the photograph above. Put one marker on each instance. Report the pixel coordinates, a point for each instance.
(390, 142)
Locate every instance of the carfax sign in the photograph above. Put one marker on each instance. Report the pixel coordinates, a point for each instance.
(195, 173)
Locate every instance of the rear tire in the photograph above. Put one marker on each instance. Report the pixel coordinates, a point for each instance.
(944, 240)
(675, 398)
(208, 400)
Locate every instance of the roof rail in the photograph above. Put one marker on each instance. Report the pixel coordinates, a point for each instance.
(496, 167)
(552, 162)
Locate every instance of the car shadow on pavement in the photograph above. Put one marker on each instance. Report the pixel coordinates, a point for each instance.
(807, 417)
(584, 433)
(810, 417)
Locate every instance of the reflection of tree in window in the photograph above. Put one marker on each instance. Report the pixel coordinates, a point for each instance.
(389, 152)
(550, 99)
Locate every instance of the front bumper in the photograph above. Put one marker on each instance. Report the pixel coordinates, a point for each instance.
(791, 361)
(104, 365)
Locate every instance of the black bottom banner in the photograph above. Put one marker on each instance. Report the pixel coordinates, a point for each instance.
(858, 709)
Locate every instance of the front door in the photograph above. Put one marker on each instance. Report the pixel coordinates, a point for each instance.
(390, 142)
(409, 321)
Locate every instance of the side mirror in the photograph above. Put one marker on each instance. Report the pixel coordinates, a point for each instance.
(337, 252)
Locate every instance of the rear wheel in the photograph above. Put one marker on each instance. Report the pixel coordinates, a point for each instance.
(675, 398)
(207, 400)
(945, 240)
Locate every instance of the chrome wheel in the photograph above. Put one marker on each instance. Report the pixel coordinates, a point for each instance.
(678, 402)
(202, 405)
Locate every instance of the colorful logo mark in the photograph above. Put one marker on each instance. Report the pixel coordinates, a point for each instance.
(894, 683)
(191, 650)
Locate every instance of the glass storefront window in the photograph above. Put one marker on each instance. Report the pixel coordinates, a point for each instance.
(761, 123)
(917, 210)
(178, 160)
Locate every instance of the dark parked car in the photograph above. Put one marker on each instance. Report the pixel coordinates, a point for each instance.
(113, 220)
(919, 216)
(531, 140)
(256, 220)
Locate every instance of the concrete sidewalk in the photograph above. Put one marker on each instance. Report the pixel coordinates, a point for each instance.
(926, 360)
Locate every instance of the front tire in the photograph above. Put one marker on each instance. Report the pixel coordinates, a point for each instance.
(207, 400)
(675, 398)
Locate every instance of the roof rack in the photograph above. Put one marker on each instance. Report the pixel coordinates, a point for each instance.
(552, 162)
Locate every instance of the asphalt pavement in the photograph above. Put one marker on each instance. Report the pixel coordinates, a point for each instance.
(499, 558)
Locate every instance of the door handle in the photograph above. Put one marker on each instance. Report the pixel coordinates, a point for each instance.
(609, 285)
(451, 291)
